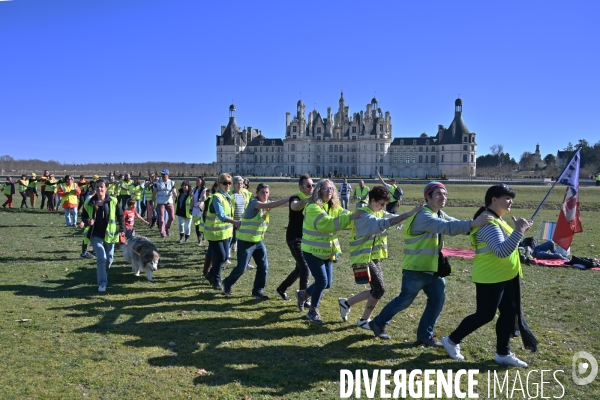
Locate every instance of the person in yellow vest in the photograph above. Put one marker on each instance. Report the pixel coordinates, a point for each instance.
(598, 179)
(323, 217)
(125, 188)
(423, 242)
(137, 193)
(70, 192)
(22, 185)
(84, 187)
(199, 194)
(32, 189)
(368, 247)
(103, 219)
(361, 195)
(208, 255)
(396, 193)
(50, 189)
(8, 188)
(113, 186)
(43, 179)
(240, 198)
(496, 274)
(251, 235)
(218, 228)
(183, 211)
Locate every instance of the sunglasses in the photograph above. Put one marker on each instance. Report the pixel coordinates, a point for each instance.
(225, 183)
(327, 189)
(311, 185)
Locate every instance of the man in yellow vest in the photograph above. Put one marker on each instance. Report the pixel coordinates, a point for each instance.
(423, 242)
(251, 234)
(103, 219)
(361, 195)
(23, 182)
(396, 193)
(126, 190)
(32, 190)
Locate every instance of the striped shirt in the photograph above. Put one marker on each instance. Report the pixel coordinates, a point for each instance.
(240, 206)
(501, 245)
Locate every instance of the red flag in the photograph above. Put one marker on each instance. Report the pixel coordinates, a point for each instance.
(569, 223)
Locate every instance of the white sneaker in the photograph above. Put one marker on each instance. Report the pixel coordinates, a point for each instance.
(344, 309)
(452, 349)
(228, 262)
(102, 288)
(510, 359)
(364, 324)
(250, 266)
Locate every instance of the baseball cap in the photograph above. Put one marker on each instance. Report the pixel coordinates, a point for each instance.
(164, 172)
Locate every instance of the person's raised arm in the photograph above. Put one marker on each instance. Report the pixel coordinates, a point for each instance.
(258, 205)
(381, 180)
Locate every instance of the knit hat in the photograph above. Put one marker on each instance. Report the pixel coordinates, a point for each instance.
(431, 186)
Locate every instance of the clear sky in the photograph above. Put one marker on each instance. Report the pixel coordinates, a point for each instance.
(152, 80)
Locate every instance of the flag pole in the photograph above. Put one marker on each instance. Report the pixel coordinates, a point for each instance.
(555, 182)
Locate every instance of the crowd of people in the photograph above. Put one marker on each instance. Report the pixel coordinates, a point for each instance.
(231, 218)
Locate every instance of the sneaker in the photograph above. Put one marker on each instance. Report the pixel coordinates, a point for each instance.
(102, 288)
(300, 299)
(250, 266)
(363, 323)
(452, 349)
(87, 255)
(307, 304)
(282, 294)
(208, 278)
(168, 232)
(344, 308)
(227, 290)
(217, 286)
(314, 315)
(379, 331)
(260, 295)
(510, 359)
(431, 342)
(228, 262)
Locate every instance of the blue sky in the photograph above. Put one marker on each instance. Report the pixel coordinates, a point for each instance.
(152, 80)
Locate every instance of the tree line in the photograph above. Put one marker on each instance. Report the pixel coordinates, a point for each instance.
(10, 166)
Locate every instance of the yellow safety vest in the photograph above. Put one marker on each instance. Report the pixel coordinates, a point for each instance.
(318, 230)
(23, 186)
(126, 187)
(253, 230)
(32, 186)
(214, 228)
(69, 198)
(51, 185)
(362, 192)
(111, 235)
(366, 248)
(136, 192)
(420, 251)
(488, 267)
(113, 189)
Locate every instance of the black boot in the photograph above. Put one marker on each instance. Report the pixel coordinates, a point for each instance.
(153, 222)
(187, 238)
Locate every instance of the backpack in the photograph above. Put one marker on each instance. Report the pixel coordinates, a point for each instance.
(398, 193)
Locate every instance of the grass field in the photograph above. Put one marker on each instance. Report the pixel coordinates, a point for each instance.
(177, 338)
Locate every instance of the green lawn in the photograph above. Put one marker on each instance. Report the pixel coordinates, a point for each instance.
(177, 338)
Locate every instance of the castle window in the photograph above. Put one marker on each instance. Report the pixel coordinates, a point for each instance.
(395, 159)
(432, 159)
(427, 141)
(465, 139)
(464, 158)
(442, 159)
(319, 130)
(432, 148)
(292, 158)
(318, 137)
(353, 129)
(293, 136)
(318, 158)
(292, 147)
(472, 157)
(294, 128)
(335, 148)
(421, 149)
(465, 147)
(420, 159)
(414, 142)
(472, 148)
(331, 148)
(442, 148)
(376, 146)
(380, 127)
(353, 137)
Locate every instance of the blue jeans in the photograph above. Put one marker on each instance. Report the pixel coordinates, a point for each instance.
(322, 271)
(546, 251)
(219, 253)
(412, 283)
(105, 253)
(246, 250)
(71, 216)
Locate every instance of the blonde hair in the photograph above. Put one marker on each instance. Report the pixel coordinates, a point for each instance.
(316, 197)
(224, 178)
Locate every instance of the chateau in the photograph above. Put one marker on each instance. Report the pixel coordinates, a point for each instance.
(356, 144)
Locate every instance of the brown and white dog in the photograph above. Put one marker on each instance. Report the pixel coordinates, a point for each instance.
(142, 254)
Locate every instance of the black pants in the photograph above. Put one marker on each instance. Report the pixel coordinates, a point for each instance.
(501, 296)
(24, 199)
(392, 207)
(301, 271)
(44, 197)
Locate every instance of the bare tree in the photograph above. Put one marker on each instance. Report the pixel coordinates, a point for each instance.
(496, 149)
